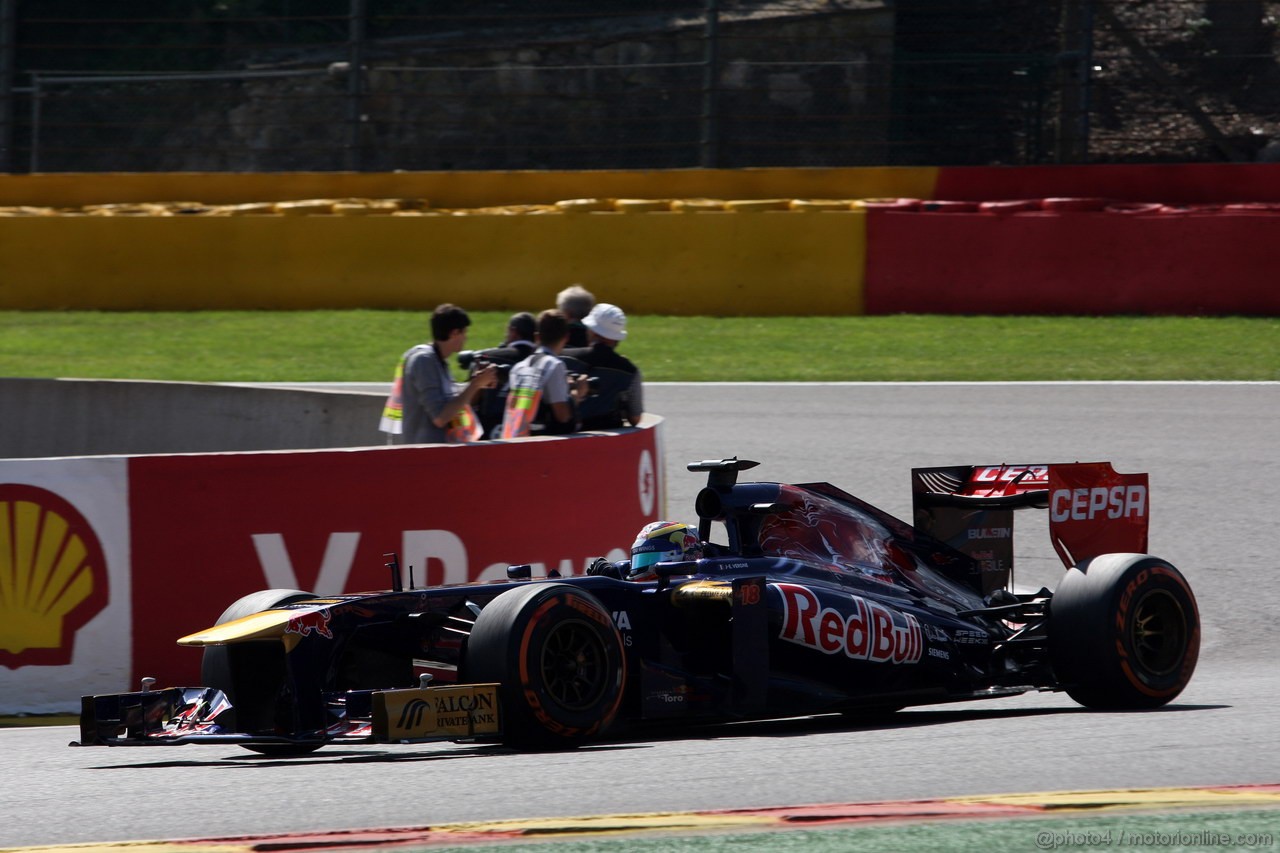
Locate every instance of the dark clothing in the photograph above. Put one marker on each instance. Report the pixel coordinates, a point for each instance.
(601, 355)
(617, 388)
(577, 335)
(491, 403)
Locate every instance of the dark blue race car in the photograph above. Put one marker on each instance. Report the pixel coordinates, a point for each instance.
(806, 600)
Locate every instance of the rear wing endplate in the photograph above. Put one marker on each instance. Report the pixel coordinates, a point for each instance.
(1093, 510)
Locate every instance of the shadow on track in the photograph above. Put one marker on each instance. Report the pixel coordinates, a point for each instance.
(639, 737)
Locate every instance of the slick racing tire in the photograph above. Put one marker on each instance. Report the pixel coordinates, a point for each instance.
(1124, 632)
(558, 660)
(218, 667)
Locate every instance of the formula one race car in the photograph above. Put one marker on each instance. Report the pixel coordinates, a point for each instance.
(806, 601)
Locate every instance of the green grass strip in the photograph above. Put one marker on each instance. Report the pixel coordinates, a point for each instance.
(363, 346)
(1176, 831)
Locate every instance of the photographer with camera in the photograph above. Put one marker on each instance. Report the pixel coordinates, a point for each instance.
(426, 406)
(541, 396)
(522, 328)
(617, 395)
(517, 345)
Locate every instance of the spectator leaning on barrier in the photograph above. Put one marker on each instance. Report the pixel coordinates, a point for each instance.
(539, 390)
(618, 392)
(575, 302)
(425, 403)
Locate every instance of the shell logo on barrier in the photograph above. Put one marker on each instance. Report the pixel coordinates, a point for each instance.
(53, 576)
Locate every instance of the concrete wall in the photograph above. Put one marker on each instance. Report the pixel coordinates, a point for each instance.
(773, 243)
(88, 417)
(718, 263)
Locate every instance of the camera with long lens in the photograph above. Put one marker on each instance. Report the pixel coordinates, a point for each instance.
(593, 382)
(475, 360)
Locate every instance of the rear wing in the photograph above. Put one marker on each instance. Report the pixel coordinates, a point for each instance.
(1093, 510)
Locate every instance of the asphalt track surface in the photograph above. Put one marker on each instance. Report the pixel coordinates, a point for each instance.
(1214, 461)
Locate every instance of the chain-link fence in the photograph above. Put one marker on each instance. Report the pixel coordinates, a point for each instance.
(268, 85)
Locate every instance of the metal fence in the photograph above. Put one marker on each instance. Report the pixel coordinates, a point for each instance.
(269, 85)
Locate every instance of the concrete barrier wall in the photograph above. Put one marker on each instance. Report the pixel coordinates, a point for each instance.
(83, 417)
(719, 263)
(109, 559)
(1114, 259)
(805, 259)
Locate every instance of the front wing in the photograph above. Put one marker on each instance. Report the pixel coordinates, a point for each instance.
(181, 715)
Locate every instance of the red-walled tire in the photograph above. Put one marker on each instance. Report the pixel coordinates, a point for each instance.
(1133, 207)
(558, 660)
(1073, 205)
(1024, 205)
(1124, 632)
(946, 206)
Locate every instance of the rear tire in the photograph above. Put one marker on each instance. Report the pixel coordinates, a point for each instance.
(1124, 632)
(558, 660)
(221, 663)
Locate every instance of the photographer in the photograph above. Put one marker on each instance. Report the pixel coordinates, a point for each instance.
(618, 397)
(426, 406)
(541, 396)
(517, 345)
(518, 340)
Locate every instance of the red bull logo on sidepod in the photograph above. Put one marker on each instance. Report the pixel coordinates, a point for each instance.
(872, 632)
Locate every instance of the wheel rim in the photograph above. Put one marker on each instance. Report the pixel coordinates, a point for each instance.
(574, 665)
(1157, 632)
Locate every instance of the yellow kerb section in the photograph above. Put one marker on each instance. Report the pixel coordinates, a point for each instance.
(1132, 798)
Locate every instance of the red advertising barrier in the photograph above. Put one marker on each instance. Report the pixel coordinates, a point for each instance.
(1074, 258)
(206, 529)
(1173, 183)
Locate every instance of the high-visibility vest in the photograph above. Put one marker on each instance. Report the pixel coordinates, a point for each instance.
(463, 428)
(524, 396)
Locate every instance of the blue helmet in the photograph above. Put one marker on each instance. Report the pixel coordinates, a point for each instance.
(663, 542)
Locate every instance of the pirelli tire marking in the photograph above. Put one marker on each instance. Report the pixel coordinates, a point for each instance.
(1124, 632)
(558, 656)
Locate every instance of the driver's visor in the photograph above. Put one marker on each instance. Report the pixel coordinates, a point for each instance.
(648, 558)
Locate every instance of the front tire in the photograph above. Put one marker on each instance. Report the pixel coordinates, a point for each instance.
(1124, 632)
(249, 678)
(558, 660)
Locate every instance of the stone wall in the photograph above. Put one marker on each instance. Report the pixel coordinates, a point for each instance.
(794, 88)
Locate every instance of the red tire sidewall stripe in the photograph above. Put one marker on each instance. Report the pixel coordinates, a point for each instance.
(595, 612)
(1192, 651)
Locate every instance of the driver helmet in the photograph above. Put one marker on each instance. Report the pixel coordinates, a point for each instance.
(663, 542)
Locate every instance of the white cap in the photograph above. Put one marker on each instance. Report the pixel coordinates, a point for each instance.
(607, 321)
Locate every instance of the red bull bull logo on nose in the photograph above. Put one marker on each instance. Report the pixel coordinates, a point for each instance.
(304, 624)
